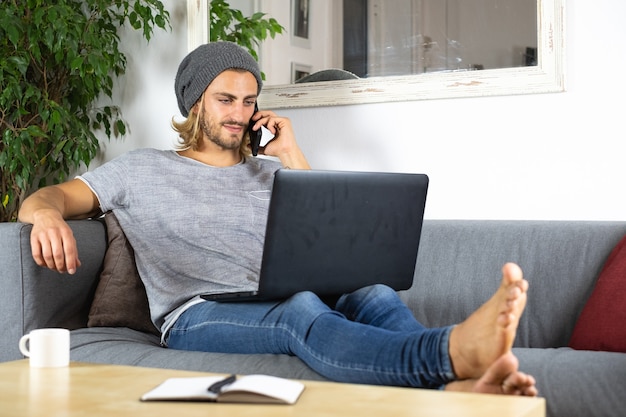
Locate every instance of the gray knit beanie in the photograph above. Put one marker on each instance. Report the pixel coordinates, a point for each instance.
(200, 67)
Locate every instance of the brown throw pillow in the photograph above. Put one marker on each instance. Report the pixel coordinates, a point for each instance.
(601, 325)
(120, 299)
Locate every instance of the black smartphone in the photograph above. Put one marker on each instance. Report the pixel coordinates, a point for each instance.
(255, 135)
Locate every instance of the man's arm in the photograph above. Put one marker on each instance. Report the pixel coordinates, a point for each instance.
(52, 241)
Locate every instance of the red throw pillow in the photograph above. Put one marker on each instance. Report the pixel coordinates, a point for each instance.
(602, 323)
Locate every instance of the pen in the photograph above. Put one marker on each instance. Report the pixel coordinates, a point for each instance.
(216, 388)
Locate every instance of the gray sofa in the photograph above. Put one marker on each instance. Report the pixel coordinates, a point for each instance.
(458, 268)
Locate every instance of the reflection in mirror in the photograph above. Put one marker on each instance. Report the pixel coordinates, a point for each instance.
(412, 50)
(401, 37)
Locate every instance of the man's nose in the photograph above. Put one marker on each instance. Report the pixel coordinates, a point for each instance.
(239, 113)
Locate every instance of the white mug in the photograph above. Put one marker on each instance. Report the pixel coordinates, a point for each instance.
(47, 348)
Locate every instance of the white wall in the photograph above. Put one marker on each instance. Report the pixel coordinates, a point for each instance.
(550, 156)
(146, 92)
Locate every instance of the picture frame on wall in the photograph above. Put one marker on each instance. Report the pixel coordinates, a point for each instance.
(300, 23)
(299, 71)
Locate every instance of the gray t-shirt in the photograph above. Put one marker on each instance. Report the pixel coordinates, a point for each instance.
(195, 228)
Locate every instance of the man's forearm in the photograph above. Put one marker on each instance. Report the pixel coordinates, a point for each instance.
(69, 200)
(294, 160)
(49, 199)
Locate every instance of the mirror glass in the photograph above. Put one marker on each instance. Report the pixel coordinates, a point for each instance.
(393, 50)
(372, 38)
(402, 37)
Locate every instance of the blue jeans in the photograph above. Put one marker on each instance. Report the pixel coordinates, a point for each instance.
(370, 337)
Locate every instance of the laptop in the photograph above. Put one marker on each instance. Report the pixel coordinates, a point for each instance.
(333, 232)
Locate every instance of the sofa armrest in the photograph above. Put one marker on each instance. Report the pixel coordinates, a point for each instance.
(34, 297)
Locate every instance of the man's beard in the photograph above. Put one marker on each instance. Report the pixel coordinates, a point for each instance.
(213, 132)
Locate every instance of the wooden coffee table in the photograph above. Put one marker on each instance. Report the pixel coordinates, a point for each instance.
(93, 390)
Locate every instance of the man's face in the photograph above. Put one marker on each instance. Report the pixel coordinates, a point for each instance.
(228, 105)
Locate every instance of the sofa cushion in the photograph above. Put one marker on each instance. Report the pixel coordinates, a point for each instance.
(120, 299)
(601, 323)
(122, 346)
(577, 383)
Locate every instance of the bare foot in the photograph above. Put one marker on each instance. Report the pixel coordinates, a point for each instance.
(502, 377)
(489, 332)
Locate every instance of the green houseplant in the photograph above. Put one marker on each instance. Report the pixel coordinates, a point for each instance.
(57, 58)
(229, 24)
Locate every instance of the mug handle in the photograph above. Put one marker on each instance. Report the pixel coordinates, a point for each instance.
(23, 341)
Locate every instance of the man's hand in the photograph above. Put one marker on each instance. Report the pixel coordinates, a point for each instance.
(52, 243)
(284, 145)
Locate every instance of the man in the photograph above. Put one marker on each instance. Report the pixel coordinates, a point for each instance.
(195, 218)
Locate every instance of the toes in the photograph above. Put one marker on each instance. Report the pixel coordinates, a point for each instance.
(514, 292)
(506, 318)
(511, 273)
(519, 383)
(513, 280)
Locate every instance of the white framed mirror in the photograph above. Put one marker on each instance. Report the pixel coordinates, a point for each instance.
(545, 77)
